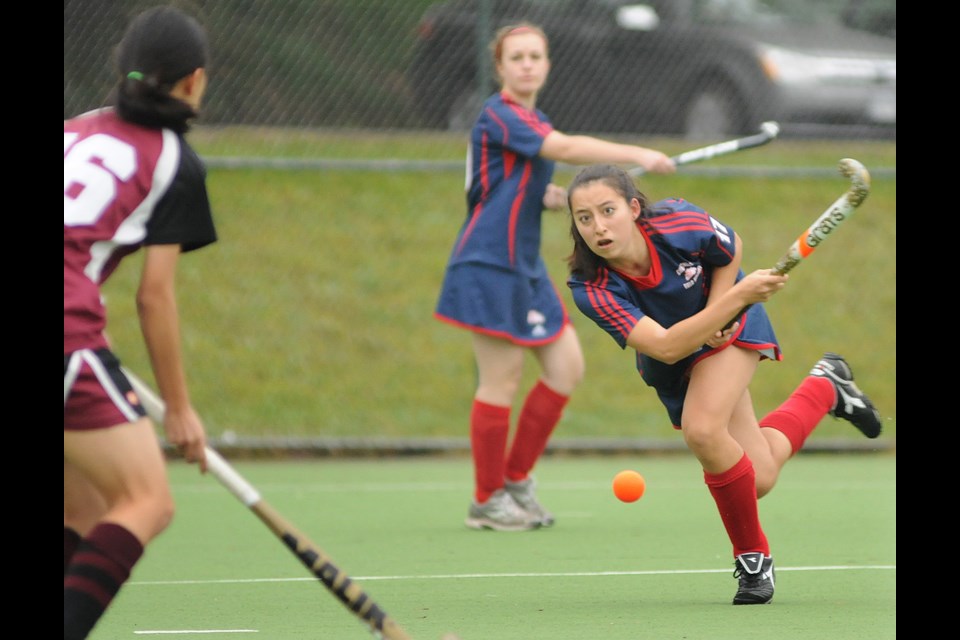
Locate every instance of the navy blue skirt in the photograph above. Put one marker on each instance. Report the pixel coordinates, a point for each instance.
(525, 309)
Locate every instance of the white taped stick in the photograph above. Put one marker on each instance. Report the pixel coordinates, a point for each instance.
(216, 464)
(768, 131)
(320, 564)
(228, 476)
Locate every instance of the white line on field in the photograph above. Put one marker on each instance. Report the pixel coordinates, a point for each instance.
(475, 576)
(171, 632)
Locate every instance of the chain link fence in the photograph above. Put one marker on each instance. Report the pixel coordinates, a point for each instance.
(670, 67)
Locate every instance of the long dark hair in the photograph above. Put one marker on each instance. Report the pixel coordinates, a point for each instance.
(583, 262)
(161, 46)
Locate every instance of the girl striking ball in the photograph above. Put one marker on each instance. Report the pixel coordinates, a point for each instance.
(664, 279)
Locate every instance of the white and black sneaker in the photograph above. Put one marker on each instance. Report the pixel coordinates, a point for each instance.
(523, 492)
(500, 513)
(852, 404)
(756, 575)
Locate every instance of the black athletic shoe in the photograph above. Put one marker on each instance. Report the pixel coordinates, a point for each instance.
(852, 404)
(756, 575)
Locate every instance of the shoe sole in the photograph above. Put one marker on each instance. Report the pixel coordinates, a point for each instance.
(490, 525)
(544, 520)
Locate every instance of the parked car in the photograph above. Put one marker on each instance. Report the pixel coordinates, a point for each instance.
(698, 68)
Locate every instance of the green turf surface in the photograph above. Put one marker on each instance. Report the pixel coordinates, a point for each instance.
(660, 568)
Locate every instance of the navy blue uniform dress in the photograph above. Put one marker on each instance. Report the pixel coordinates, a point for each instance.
(495, 281)
(686, 244)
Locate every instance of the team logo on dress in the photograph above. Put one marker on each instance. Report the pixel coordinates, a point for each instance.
(690, 272)
(536, 320)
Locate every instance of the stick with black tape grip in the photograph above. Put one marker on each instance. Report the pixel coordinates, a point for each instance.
(768, 131)
(826, 223)
(312, 556)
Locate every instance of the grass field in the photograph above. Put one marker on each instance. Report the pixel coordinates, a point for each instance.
(313, 314)
(657, 569)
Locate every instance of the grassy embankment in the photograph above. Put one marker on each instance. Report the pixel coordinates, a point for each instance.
(313, 314)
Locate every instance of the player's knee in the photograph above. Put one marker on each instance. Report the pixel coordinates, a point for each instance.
(701, 437)
(564, 378)
(164, 510)
(157, 510)
(765, 484)
(564, 382)
(145, 513)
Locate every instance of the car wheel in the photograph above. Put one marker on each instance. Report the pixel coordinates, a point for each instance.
(464, 110)
(713, 114)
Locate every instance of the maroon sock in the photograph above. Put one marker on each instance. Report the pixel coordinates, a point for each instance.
(735, 492)
(541, 413)
(799, 414)
(101, 564)
(70, 541)
(489, 429)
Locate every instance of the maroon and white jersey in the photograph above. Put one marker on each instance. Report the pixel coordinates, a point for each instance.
(124, 186)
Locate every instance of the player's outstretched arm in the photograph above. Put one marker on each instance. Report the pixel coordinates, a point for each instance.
(687, 336)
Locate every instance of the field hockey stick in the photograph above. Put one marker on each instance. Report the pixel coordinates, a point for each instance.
(313, 557)
(826, 223)
(768, 131)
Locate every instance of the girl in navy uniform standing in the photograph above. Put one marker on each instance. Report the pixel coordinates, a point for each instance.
(663, 279)
(496, 284)
(131, 181)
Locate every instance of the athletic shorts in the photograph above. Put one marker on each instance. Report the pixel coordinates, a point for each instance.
(671, 381)
(673, 395)
(96, 393)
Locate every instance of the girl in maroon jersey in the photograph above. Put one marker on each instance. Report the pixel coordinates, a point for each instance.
(130, 181)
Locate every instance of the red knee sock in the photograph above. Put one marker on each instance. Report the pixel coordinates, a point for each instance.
(735, 492)
(541, 413)
(101, 564)
(70, 541)
(799, 414)
(489, 429)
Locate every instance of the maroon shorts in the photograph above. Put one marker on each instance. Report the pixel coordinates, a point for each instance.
(96, 393)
